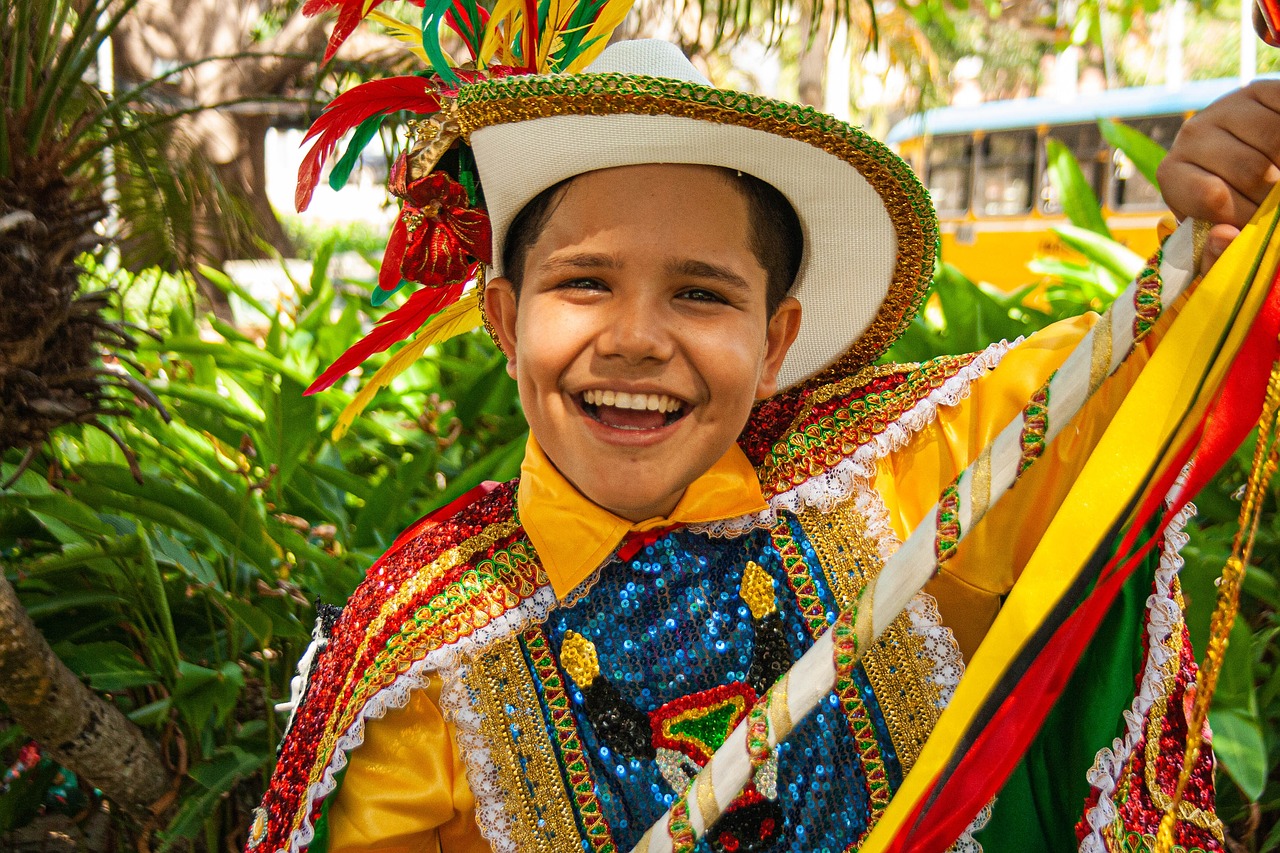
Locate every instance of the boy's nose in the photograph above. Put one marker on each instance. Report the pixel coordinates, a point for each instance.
(635, 332)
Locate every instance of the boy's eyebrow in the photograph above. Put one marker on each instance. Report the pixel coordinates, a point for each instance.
(703, 269)
(581, 260)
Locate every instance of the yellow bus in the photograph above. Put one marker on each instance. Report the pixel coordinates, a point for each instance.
(985, 169)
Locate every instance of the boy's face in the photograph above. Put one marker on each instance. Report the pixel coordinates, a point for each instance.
(640, 337)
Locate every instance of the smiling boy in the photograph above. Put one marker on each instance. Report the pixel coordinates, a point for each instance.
(664, 335)
(708, 482)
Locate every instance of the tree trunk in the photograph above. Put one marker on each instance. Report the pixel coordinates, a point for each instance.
(77, 728)
(814, 49)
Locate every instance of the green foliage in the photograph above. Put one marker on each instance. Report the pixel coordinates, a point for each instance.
(188, 596)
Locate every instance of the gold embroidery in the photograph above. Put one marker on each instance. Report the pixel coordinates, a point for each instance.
(779, 711)
(1100, 359)
(897, 665)
(521, 751)
(1187, 812)
(980, 488)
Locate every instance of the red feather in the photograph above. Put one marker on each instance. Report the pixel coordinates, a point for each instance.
(395, 327)
(531, 36)
(459, 20)
(377, 97)
(389, 274)
(350, 13)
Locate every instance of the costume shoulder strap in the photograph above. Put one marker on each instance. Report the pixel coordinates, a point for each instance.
(452, 575)
(808, 431)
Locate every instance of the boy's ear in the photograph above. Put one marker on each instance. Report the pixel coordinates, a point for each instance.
(500, 308)
(784, 325)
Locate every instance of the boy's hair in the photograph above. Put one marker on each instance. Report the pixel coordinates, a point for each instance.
(776, 238)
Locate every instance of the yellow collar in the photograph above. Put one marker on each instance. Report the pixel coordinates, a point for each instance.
(572, 535)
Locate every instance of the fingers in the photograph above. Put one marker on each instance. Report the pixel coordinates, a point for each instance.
(1224, 160)
(1217, 241)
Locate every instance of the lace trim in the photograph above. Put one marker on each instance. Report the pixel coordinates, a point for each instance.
(1164, 617)
(731, 528)
(837, 483)
(396, 695)
(491, 809)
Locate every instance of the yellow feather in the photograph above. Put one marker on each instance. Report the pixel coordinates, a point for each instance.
(411, 36)
(551, 37)
(502, 22)
(610, 17)
(461, 316)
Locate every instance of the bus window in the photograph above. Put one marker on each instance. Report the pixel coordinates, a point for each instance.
(1006, 173)
(1085, 142)
(950, 158)
(1129, 189)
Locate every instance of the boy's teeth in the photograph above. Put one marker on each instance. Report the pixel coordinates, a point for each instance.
(623, 400)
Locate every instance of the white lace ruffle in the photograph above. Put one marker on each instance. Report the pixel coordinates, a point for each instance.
(731, 528)
(1164, 617)
(838, 482)
(491, 812)
(396, 695)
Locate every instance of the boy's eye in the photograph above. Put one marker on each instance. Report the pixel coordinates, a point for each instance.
(582, 284)
(701, 294)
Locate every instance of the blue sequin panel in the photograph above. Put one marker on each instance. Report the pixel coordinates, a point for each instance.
(671, 623)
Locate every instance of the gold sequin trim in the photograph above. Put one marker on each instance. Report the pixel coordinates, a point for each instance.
(897, 665)
(521, 752)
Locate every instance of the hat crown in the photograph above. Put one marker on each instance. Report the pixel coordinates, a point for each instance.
(649, 58)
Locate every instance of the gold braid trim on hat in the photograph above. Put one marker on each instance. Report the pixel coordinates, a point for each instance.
(524, 98)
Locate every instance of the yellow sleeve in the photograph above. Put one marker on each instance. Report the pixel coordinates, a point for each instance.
(405, 788)
(971, 585)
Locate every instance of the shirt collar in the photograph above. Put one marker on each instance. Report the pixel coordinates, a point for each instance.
(573, 536)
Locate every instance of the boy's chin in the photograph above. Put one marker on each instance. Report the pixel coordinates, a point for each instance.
(635, 507)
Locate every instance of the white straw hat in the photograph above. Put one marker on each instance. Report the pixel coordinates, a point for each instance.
(869, 229)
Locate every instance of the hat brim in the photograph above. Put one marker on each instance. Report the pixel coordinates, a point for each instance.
(869, 228)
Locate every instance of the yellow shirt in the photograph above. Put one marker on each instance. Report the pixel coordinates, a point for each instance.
(405, 789)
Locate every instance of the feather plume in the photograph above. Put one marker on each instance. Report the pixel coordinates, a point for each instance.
(462, 316)
(400, 31)
(351, 108)
(608, 19)
(497, 33)
(468, 18)
(350, 13)
(391, 329)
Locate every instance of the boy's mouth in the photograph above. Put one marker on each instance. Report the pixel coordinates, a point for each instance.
(621, 410)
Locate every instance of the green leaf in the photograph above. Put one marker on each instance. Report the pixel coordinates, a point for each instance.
(1241, 749)
(216, 776)
(1078, 200)
(1114, 257)
(109, 666)
(205, 696)
(1145, 152)
(258, 623)
(1237, 728)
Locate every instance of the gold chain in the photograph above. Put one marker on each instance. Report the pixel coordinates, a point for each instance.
(1265, 456)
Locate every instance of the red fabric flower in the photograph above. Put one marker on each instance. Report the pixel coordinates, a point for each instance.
(438, 237)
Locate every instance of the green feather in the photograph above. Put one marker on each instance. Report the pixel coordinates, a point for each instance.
(365, 132)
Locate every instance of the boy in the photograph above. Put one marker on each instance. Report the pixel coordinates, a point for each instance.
(547, 666)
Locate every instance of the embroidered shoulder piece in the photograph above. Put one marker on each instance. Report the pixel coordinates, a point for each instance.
(450, 580)
(804, 432)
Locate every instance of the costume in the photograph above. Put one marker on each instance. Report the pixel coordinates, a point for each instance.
(632, 683)
(526, 671)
